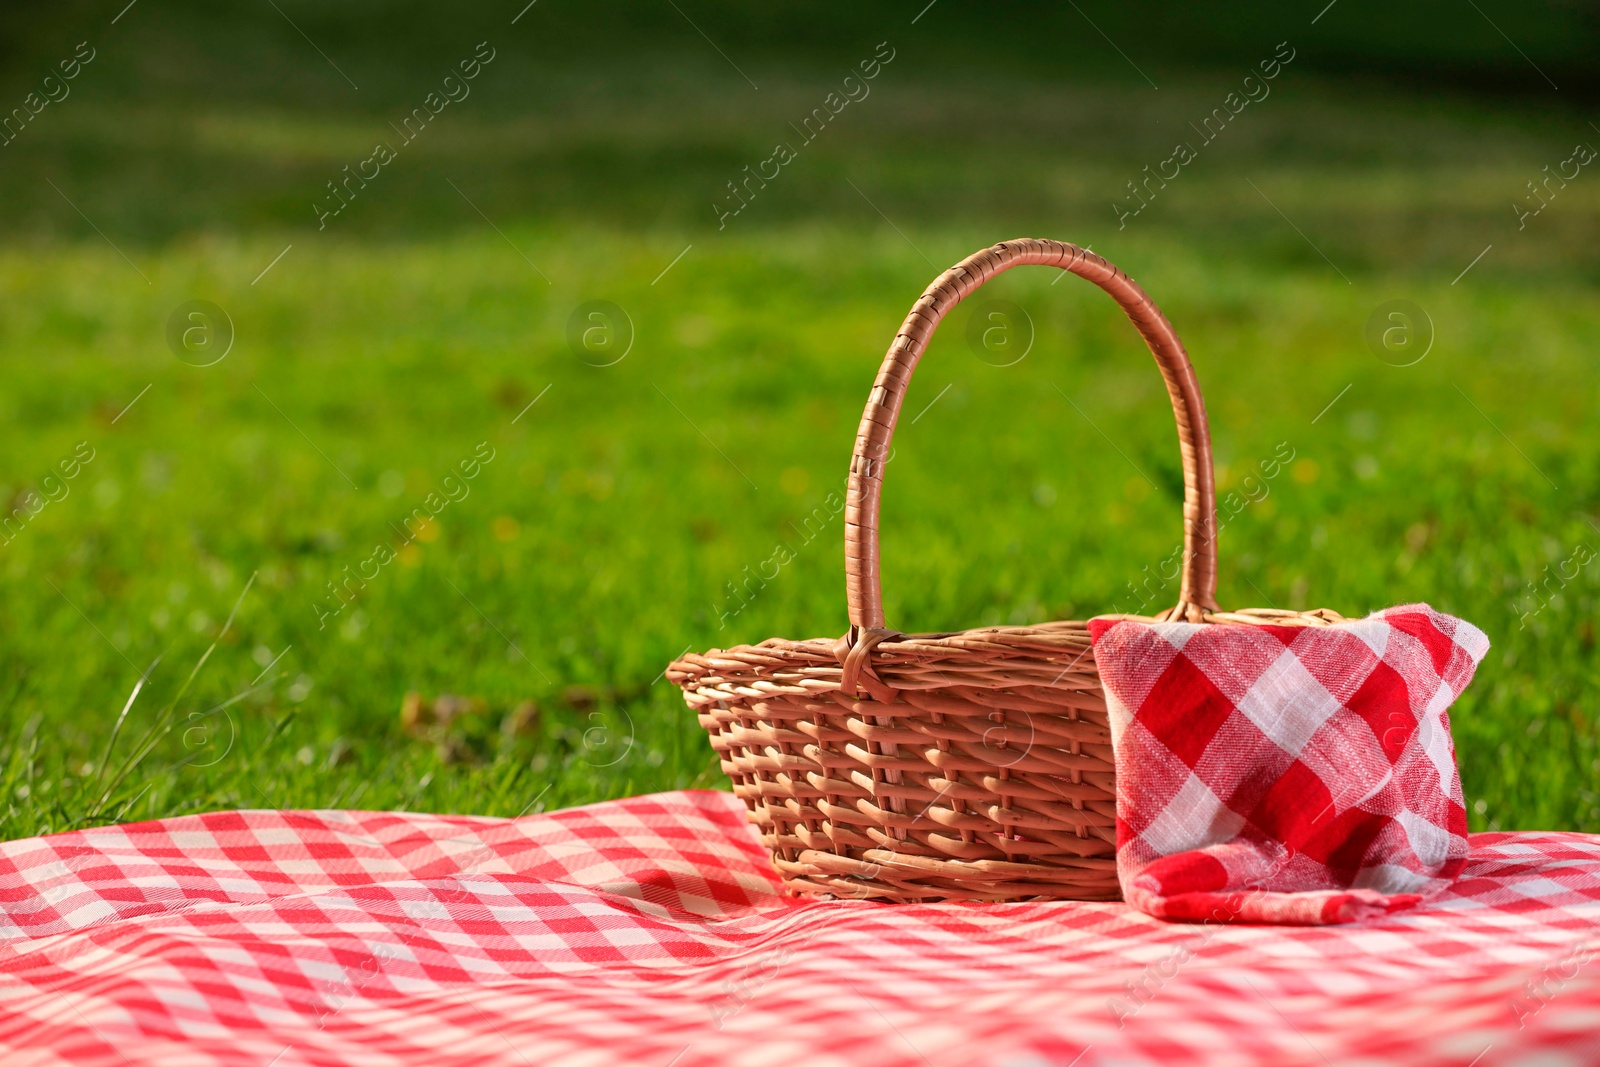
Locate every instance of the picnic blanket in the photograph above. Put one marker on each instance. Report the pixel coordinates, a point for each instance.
(652, 931)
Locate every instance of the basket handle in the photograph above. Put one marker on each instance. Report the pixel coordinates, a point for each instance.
(1197, 591)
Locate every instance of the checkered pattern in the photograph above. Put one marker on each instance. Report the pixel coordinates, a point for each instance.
(652, 932)
(1287, 774)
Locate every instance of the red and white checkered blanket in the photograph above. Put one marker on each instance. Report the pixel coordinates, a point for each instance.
(653, 932)
(1287, 774)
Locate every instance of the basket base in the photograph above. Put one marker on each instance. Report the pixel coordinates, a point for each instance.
(893, 880)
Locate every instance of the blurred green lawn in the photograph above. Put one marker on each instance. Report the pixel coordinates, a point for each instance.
(599, 541)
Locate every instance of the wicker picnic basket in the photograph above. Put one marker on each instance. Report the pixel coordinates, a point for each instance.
(959, 766)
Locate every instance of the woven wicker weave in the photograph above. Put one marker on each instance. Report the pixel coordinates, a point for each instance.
(964, 766)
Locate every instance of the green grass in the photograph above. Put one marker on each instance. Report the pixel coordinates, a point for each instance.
(597, 544)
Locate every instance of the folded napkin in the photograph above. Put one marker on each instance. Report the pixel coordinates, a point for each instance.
(1284, 774)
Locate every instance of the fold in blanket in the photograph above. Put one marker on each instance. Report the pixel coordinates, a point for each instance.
(1281, 774)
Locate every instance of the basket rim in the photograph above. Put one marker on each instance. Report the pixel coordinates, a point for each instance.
(1034, 638)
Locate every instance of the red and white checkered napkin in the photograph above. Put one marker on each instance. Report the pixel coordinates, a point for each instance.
(1287, 774)
(652, 932)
